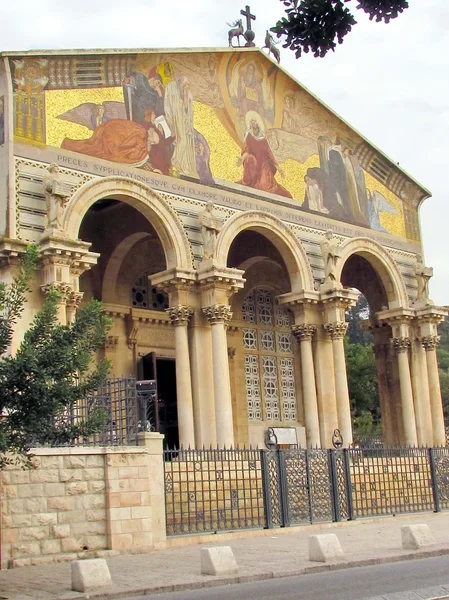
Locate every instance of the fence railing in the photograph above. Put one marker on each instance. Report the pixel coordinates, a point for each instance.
(213, 490)
(129, 408)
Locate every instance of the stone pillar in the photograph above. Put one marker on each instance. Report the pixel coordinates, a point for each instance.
(430, 343)
(337, 331)
(304, 334)
(219, 315)
(202, 381)
(73, 303)
(420, 386)
(180, 316)
(64, 290)
(401, 346)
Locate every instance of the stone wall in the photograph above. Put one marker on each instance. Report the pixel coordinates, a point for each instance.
(83, 502)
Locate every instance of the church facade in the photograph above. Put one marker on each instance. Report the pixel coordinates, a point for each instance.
(226, 219)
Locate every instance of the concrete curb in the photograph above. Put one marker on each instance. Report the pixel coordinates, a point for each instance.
(234, 579)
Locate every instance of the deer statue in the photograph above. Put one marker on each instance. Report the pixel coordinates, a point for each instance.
(270, 44)
(235, 31)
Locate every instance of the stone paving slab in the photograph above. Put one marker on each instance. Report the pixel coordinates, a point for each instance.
(277, 553)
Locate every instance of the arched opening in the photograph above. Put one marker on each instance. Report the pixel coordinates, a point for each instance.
(130, 250)
(266, 362)
(370, 362)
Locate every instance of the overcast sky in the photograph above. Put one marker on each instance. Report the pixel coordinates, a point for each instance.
(390, 82)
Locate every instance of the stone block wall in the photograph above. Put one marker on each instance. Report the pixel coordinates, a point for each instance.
(82, 503)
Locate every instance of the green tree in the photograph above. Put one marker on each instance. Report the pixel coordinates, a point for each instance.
(443, 365)
(355, 317)
(317, 25)
(52, 371)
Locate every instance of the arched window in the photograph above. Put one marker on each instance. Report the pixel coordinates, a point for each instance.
(269, 361)
(144, 297)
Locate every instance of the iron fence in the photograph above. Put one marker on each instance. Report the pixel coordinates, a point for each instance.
(129, 407)
(212, 490)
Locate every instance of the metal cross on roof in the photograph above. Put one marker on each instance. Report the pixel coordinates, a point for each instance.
(249, 17)
(249, 33)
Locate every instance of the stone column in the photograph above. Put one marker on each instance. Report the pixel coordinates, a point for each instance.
(401, 346)
(430, 343)
(337, 331)
(64, 290)
(420, 386)
(180, 316)
(219, 315)
(73, 303)
(304, 334)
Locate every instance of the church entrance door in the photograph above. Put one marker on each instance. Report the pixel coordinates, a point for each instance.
(163, 370)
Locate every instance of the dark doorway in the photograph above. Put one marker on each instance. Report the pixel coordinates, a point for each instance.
(164, 371)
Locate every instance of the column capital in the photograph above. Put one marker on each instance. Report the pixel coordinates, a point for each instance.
(337, 329)
(400, 344)
(218, 313)
(430, 342)
(74, 299)
(179, 314)
(63, 289)
(303, 332)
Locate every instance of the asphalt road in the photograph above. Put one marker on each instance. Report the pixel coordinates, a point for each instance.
(347, 584)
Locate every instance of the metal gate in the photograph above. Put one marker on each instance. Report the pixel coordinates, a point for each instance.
(305, 486)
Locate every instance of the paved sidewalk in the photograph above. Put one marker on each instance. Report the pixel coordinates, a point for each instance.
(261, 555)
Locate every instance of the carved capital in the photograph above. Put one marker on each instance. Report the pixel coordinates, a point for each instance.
(430, 342)
(400, 344)
(218, 313)
(63, 289)
(179, 315)
(303, 332)
(336, 330)
(74, 299)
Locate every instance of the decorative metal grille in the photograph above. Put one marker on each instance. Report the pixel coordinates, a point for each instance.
(288, 389)
(253, 388)
(390, 481)
(213, 490)
(441, 475)
(276, 370)
(298, 499)
(250, 339)
(319, 485)
(285, 342)
(270, 385)
(275, 516)
(141, 297)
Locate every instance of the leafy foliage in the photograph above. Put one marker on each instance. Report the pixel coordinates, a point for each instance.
(51, 372)
(362, 372)
(317, 25)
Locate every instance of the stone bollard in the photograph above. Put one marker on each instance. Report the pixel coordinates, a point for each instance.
(324, 547)
(90, 574)
(416, 536)
(218, 561)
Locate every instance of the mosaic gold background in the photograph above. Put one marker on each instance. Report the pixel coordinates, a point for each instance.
(214, 82)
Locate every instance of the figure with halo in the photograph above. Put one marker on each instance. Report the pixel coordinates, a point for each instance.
(259, 164)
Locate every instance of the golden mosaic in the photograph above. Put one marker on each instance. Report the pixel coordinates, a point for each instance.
(214, 118)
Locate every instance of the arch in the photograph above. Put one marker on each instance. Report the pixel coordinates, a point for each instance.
(144, 199)
(382, 263)
(115, 263)
(288, 246)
